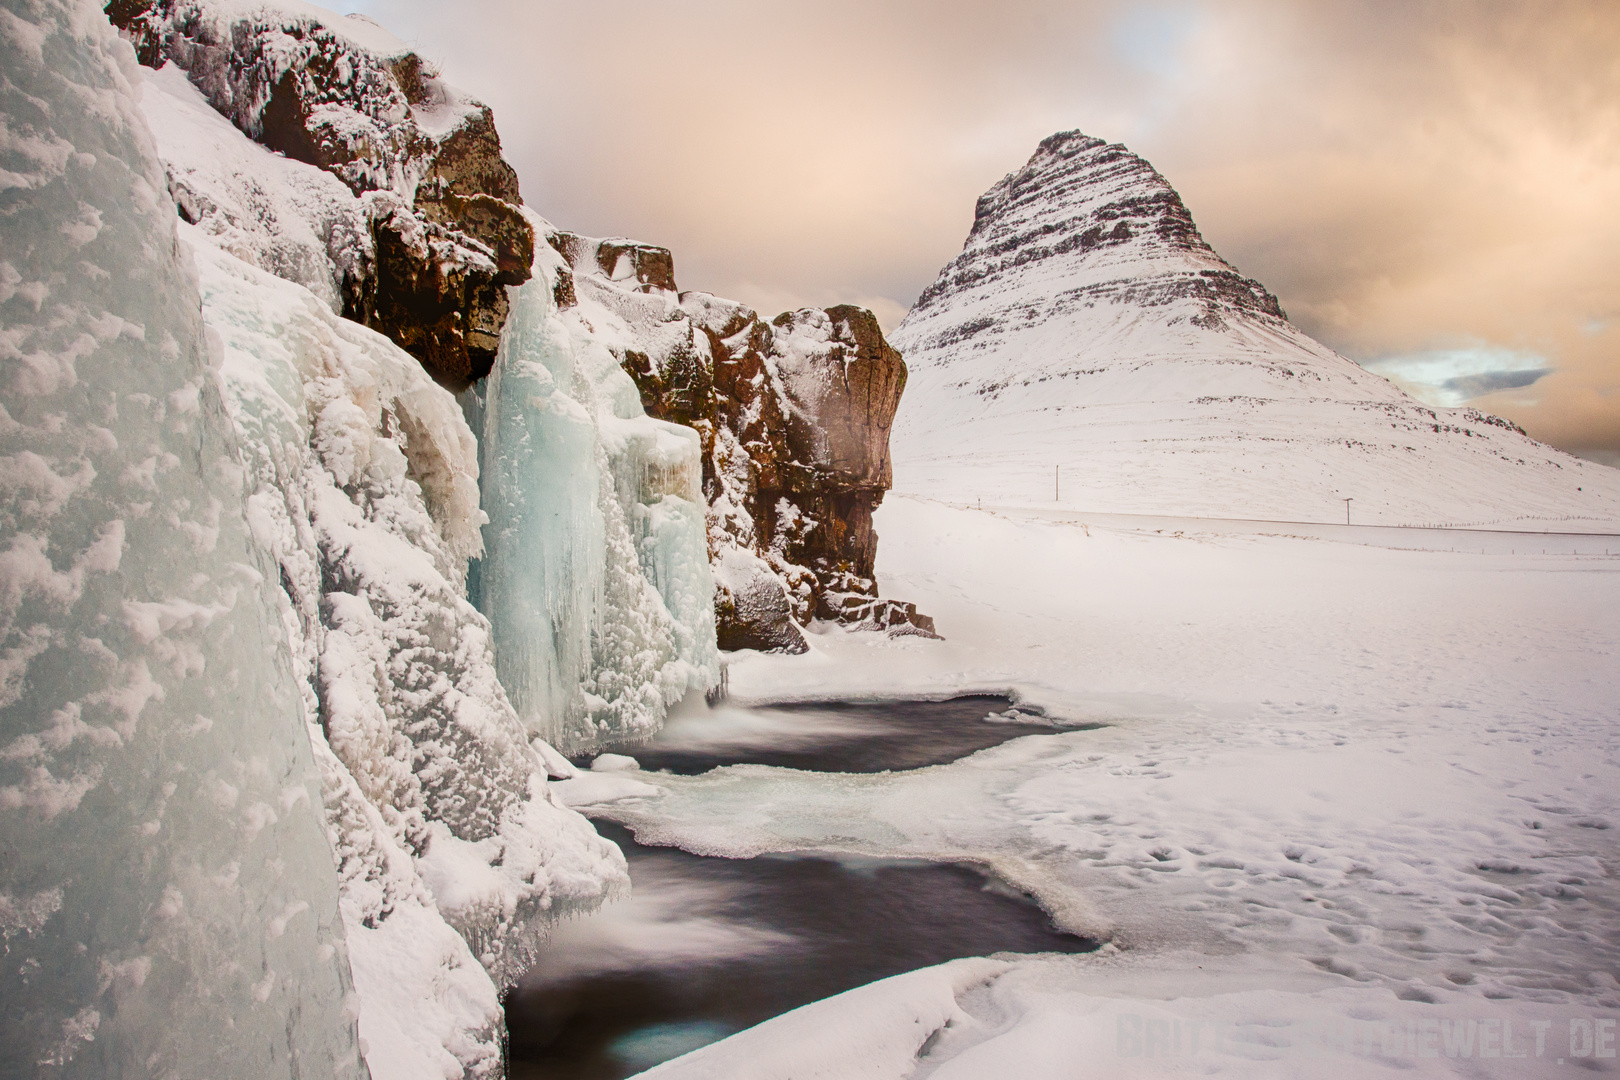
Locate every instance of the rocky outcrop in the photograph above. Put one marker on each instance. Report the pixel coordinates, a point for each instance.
(415, 230)
(443, 235)
(794, 417)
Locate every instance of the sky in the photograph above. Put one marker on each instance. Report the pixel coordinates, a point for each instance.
(1431, 188)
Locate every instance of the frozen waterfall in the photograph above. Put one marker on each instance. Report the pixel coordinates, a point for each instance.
(453, 861)
(595, 576)
(168, 901)
(264, 794)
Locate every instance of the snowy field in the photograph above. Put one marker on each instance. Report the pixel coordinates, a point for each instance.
(1353, 810)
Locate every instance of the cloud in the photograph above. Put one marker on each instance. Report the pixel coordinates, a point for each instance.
(1151, 37)
(1454, 376)
(1398, 173)
(1473, 386)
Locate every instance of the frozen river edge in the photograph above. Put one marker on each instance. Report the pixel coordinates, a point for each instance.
(1352, 799)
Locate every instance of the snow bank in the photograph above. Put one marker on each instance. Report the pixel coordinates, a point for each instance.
(873, 1032)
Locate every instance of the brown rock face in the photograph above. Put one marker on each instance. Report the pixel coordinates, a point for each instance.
(845, 382)
(446, 231)
(651, 267)
(441, 308)
(794, 415)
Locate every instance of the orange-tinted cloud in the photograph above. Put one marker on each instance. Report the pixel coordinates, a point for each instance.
(1409, 177)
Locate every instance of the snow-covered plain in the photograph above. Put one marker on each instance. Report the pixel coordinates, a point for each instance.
(1355, 801)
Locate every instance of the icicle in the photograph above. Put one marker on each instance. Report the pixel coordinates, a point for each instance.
(596, 576)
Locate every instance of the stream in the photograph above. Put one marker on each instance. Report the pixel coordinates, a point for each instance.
(706, 946)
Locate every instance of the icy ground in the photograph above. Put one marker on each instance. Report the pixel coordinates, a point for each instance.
(1353, 813)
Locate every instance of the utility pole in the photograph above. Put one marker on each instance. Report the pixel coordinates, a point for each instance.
(1055, 483)
(1347, 511)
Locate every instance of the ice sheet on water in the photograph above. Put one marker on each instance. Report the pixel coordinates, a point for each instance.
(167, 897)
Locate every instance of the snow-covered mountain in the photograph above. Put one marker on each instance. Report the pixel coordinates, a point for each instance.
(1089, 348)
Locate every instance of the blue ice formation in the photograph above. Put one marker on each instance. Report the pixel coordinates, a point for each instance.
(595, 575)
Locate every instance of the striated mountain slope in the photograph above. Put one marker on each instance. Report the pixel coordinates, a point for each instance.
(1088, 340)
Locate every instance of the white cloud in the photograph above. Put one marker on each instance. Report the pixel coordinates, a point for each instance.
(1455, 376)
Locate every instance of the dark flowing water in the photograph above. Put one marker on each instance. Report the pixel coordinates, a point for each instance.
(859, 737)
(706, 947)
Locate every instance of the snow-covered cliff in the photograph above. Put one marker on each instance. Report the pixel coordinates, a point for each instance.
(264, 786)
(793, 416)
(415, 228)
(1088, 330)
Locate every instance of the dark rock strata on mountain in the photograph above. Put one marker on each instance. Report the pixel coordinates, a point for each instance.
(794, 415)
(439, 202)
(1106, 198)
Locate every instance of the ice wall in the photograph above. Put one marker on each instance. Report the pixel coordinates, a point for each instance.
(453, 859)
(595, 576)
(168, 901)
